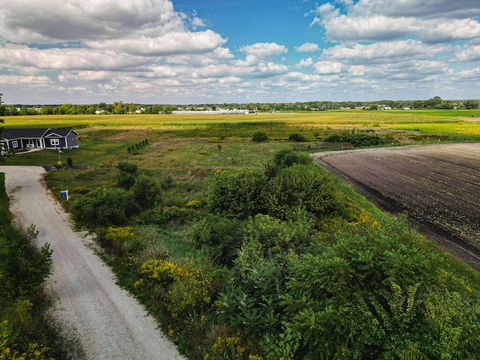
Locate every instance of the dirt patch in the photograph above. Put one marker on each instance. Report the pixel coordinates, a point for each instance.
(438, 187)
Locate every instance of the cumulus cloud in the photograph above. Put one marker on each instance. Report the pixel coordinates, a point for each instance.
(428, 20)
(264, 50)
(382, 51)
(307, 47)
(304, 63)
(469, 53)
(328, 67)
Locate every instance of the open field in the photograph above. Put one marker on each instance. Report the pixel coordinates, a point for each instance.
(437, 185)
(442, 124)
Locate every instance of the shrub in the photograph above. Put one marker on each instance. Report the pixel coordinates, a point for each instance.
(287, 158)
(241, 194)
(166, 214)
(115, 238)
(297, 137)
(70, 162)
(304, 188)
(221, 238)
(146, 192)
(125, 181)
(259, 137)
(359, 139)
(105, 207)
(386, 297)
(128, 167)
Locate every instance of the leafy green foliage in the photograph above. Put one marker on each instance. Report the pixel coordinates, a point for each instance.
(128, 168)
(220, 237)
(384, 298)
(125, 181)
(105, 207)
(359, 139)
(259, 136)
(296, 137)
(286, 158)
(146, 192)
(241, 194)
(304, 188)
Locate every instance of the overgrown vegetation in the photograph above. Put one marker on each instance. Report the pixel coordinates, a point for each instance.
(25, 331)
(285, 266)
(358, 139)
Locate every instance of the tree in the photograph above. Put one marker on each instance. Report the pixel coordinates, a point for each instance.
(146, 192)
(2, 108)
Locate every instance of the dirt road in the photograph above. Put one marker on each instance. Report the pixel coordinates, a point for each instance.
(436, 185)
(107, 321)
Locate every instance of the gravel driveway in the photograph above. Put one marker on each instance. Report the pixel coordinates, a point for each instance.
(107, 321)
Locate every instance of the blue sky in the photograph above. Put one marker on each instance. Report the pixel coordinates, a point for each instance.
(186, 51)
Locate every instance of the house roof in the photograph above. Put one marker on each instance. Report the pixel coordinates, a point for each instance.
(15, 133)
(59, 131)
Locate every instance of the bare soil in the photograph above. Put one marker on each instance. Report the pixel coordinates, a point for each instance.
(438, 186)
(90, 307)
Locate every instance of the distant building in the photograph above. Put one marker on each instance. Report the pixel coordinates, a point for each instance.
(406, 108)
(99, 112)
(22, 139)
(384, 107)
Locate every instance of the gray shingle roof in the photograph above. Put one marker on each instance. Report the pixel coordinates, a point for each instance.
(15, 133)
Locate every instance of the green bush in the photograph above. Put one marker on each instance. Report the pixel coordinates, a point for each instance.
(125, 181)
(105, 207)
(146, 192)
(70, 162)
(358, 139)
(286, 158)
(241, 194)
(166, 214)
(259, 136)
(304, 188)
(297, 137)
(220, 237)
(375, 295)
(128, 167)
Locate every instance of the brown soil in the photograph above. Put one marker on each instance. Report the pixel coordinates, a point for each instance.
(438, 186)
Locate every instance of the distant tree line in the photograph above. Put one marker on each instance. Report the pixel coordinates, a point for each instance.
(119, 107)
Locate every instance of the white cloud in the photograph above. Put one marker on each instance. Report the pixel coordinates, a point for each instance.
(430, 20)
(328, 67)
(382, 51)
(197, 22)
(307, 47)
(264, 50)
(173, 43)
(469, 53)
(304, 63)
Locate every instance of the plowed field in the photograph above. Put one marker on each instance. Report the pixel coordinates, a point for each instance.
(438, 186)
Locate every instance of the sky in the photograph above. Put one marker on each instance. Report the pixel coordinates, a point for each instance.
(216, 51)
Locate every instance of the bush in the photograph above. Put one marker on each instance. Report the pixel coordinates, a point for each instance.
(125, 181)
(304, 188)
(358, 139)
(297, 137)
(166, 214)
(116, 237)
(241, 194)
(70, 162)
(221, 238)
(146, 192)
(286, 158)
(105, 207)
(387, 299)
(259, 137)
(128, 167)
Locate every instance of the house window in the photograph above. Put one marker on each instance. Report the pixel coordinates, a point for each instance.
(55, 142)
(15, 143)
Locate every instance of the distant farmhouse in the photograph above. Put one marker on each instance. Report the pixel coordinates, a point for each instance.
(23, 139)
